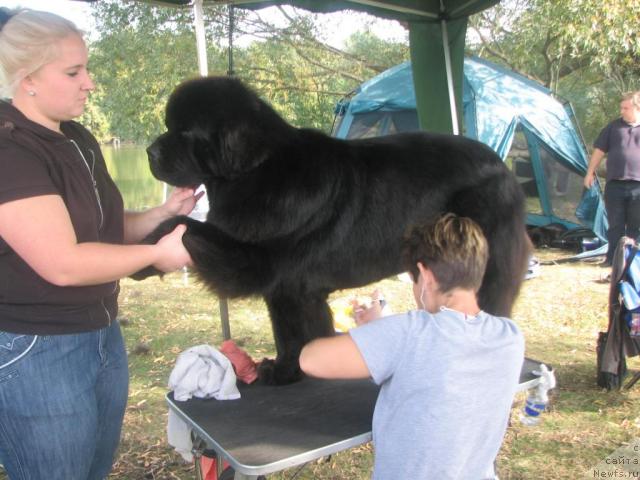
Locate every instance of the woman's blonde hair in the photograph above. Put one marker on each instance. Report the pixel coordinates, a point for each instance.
(28, 40)
(454, 248)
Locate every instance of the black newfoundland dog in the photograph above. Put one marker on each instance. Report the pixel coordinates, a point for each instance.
(295, 214)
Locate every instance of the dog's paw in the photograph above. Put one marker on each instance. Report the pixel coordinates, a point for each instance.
(150, 271)
(271, 372)
(163, 229)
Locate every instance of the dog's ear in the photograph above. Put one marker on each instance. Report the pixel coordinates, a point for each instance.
(243, 148)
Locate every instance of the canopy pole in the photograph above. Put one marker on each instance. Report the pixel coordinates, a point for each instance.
(223, 302)
(201, 42)
(201, 46)
(447, 66)
(232, 23)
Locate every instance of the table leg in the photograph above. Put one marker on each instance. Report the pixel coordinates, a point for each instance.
(198, 467)
(219, 465)
(224, 318)
(198, 448)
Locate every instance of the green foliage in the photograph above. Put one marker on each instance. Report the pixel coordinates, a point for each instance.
(587, 52)
(304, 78)
(144, 51)
(607, 31)
(94, 118)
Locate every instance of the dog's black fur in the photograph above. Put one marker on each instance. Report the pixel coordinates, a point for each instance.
(295, 214)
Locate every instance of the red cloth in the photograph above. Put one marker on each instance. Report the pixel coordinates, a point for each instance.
(243, 364)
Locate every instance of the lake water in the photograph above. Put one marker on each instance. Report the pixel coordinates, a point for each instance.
(129, 168)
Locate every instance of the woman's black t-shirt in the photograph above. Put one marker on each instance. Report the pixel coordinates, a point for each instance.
(37, 161)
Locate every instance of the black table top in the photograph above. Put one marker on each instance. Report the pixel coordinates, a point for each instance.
(275, 427)
(271, 428)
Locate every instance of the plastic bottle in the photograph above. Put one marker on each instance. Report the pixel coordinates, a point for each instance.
(538, 399)
(532, 409)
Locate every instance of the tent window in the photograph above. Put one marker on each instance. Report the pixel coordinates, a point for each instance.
(404, 121)
(564, 186)
(366, 125)
(379, 123)
(519, 162)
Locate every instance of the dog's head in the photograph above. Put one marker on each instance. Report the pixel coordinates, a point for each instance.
(216, 128)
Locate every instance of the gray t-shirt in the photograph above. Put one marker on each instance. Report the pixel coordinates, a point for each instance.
(447, 386)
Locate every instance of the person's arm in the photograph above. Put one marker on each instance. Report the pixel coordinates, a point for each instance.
(40, 231)
(594, 163)
(333, 357)
(138, 225)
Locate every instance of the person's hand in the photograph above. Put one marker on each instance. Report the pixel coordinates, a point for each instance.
(172, 253)
(363, 313)
(181, 201)
(589, 178)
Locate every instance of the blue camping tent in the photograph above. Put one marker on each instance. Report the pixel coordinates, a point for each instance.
(531, 130)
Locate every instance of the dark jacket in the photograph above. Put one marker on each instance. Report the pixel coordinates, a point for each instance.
(37, 161)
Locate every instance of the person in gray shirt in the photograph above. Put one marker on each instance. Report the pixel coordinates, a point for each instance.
(448, 371)
(620, 143)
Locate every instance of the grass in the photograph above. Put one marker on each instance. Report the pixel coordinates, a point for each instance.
(560, 312)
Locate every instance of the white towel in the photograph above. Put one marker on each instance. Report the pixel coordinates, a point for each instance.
(202, 372)
(179, 436)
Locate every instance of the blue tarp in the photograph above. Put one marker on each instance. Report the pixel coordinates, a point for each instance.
(498, 104)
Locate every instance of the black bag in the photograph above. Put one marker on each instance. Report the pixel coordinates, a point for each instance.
(610, 381)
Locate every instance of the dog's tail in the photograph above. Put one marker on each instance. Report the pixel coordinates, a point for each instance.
(497, 204)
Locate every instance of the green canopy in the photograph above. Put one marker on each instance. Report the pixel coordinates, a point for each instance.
(437, 31)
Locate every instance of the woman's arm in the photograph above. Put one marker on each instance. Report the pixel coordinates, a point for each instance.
(333, 357)
(138, 225)
(40, 231)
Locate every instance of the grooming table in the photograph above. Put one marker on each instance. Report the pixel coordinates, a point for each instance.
(273, 428)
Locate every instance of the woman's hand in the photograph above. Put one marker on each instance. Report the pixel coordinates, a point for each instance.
(172, 253)
(181, 201)
(137, 225)
(363, 313)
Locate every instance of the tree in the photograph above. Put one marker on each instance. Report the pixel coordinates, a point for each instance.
(304, 77)
(144, 51)
(142, 54)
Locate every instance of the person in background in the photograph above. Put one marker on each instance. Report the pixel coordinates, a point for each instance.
(65, 241)
(620, 143)
(448, 371)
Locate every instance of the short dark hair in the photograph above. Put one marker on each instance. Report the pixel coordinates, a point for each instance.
(454, 248)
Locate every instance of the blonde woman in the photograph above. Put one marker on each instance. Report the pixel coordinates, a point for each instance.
(65, 240)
